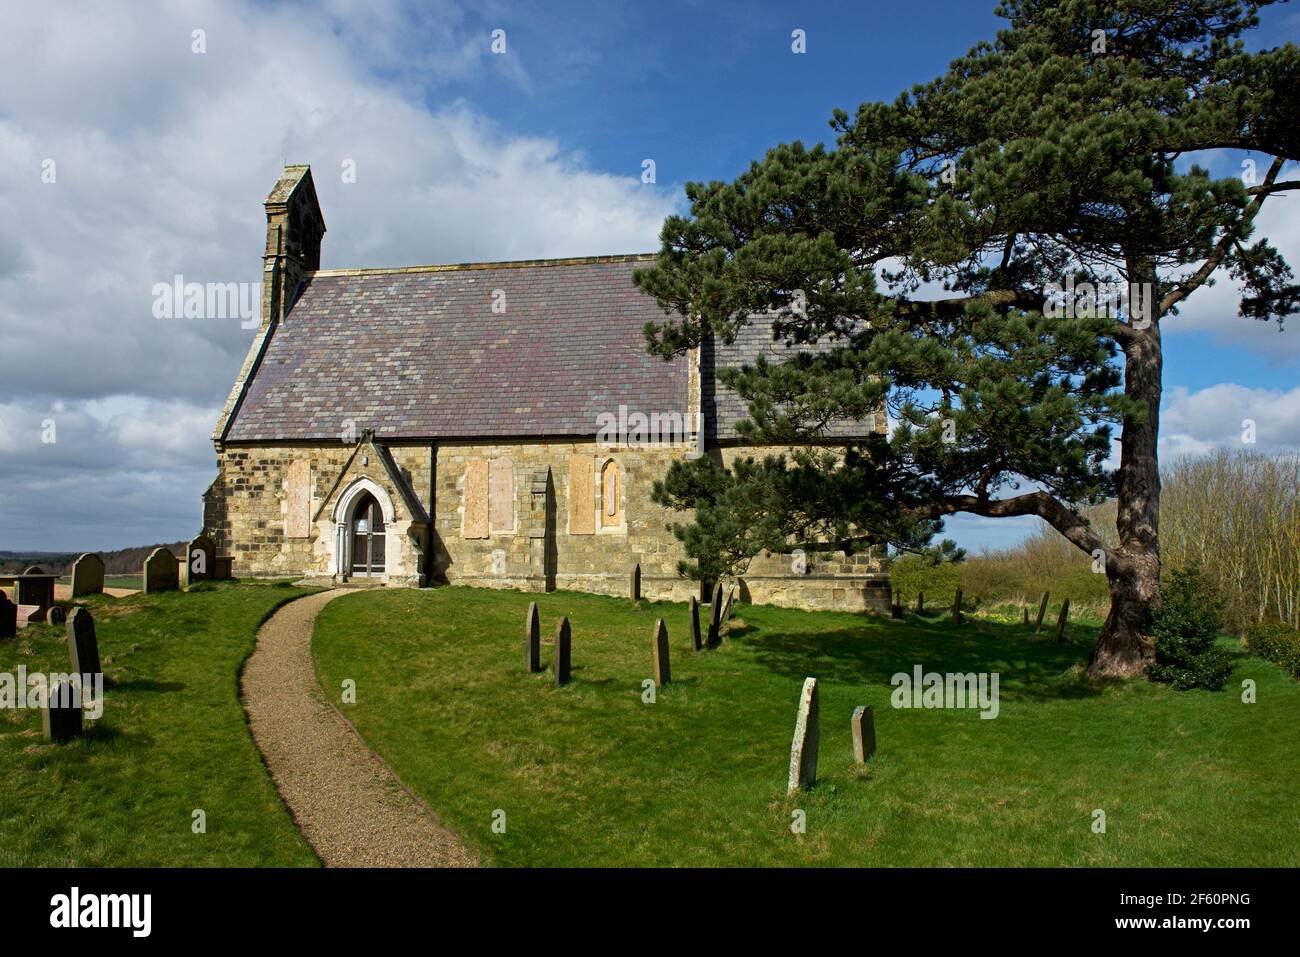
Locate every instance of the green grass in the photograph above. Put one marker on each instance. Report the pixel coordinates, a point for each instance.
(172, 739)
(590, 775)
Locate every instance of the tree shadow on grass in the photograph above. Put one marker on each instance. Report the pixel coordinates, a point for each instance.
(1030, 668)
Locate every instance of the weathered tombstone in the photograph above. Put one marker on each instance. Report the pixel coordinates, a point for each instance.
(83, 648)
(803, 750)
(88, 575)
(695, 623)
(161, 571)
(1042, 610)
(920, 603)
(956, 608)
(896, 611)
(34, 570)
(200, 560)
(726, 605)
(715, 618)
(9, 617)
(1060, 622)
(634, 583)
(56, 615)
(663, 671)
(1026, 615)
(563, 652)
(533, 640)
(61, 714)
(863, 726)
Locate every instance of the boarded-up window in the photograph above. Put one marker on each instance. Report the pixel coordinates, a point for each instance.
(611, 495)
(582, 496)
(297, 516)
(475, 523)
(501, 494)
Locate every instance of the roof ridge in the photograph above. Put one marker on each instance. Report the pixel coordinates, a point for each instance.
(502, 264)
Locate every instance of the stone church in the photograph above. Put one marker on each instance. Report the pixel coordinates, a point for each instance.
(489, 424)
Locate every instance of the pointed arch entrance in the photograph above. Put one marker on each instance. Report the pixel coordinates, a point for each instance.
(367, 533)
(364, 522)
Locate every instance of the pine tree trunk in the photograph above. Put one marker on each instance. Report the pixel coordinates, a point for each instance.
(1122, 649)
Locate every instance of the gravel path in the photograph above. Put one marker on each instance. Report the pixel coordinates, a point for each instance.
(347, 801)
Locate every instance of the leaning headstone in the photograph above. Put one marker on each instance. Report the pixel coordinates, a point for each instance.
(956, 608)
(56, 615)
(715, 618)
(863, 726)
(726, 605)
(695, 623)
(563, 652)
(803, 750)
(83, 648)
(88, 575)
(1042, 610)
(1060, 622)
(9, 617)
(533, 640)
(161, 571)
(663, 671)
(61, 715)
(920, 603)
(634, 583)
(200, 560)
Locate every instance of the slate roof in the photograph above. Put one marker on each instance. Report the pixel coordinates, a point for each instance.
(722, 408)
(419, 353)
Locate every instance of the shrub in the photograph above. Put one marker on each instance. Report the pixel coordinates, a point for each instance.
(922, 573)
(1278, 642)
(1186, 630)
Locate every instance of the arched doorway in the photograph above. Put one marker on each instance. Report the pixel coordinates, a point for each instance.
(366, 535)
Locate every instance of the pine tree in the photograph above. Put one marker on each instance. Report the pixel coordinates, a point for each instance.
(1046, 184)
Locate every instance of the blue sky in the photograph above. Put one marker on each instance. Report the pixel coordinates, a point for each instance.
(165, 156)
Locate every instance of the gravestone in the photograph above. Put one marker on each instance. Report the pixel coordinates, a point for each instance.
(634, 583)
(694, 610)
(533, 640)
(88, 575)
(9, 617)
(201, 560)
(1060, 622)
(896, 611)
(83, 648)
(1042, 610)
(563, 652)
(35, 591)
(920, 602)
(956, 608)
(61, 715)
(726, 606)
(1026, 616)
(663, 672)
(803, 750)
(715, 618)
(863, 725)
(56, 615)
(161, 571)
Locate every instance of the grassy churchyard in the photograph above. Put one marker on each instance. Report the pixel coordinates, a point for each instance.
(595, 774)
(172, 740)
(590, 774)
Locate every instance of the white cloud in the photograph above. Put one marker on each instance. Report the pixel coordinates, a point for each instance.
(1193, 423)
(163, 157)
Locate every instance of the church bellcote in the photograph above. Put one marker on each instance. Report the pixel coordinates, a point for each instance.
(294, 228)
